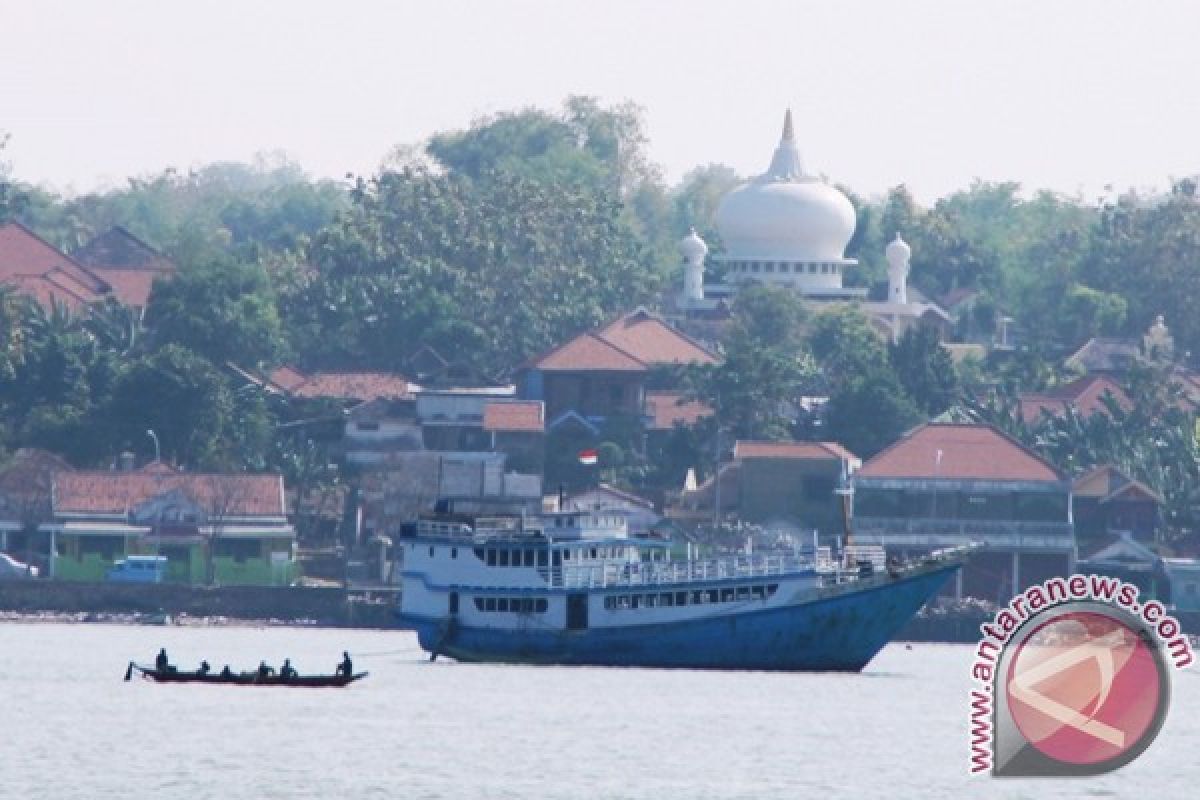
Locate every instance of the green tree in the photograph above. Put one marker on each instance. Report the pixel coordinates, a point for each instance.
(222, 310)
(870, 411)
(491, 271)
(184, 400)
(925, 370)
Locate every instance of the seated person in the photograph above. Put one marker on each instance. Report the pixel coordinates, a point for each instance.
(226, 672)
(346, 667)
(204, 668)
(287, 670)
(264, 671)
(161, 664)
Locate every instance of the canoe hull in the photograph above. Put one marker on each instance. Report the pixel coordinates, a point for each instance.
(250, 679)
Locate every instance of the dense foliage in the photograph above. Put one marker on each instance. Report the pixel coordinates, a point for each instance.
(495, 242)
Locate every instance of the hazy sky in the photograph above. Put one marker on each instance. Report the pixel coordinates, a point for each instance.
(1070, 95)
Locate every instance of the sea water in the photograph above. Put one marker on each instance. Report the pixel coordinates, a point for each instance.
(71, 728)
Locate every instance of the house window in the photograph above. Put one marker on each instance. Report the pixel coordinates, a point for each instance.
(240, 550)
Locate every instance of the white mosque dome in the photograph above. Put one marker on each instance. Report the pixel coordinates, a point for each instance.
(786, 215)
(898, 251)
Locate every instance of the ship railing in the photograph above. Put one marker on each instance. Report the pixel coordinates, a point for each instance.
(615, 575)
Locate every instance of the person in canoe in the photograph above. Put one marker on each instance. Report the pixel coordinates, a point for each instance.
(346, 667)
(161, 664)
(287, 671)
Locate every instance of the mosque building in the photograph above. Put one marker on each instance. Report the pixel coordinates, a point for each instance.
(790, 228)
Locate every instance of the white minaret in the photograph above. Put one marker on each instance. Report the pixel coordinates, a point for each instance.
(693, 249)
(898, 252)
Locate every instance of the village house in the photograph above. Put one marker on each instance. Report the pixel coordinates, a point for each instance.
(127, 264)
(603, 373)
(944, 485)
(115, 264)
(1106, 502)
(793, 482)
(37, 269)
(26, 486)
(1096, 393)
(222, 529)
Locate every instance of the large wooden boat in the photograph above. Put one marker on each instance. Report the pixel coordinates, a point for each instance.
(573, 587)
(243, 678)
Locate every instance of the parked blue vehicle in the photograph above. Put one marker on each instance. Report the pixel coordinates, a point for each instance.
(139, 569)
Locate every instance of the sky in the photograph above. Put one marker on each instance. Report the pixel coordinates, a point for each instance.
(1069, 95)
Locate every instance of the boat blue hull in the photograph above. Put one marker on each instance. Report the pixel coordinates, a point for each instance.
(838, 633)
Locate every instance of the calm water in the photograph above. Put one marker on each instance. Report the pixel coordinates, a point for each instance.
(73, 729)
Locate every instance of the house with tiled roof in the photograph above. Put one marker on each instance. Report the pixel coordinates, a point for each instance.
(603, 372)
(792, 482)
(225, 529)
(944, 485)
(39, 270)
(1088, 395)
(1108, 502)
(360, 386)
(26, 485)
(127, 264)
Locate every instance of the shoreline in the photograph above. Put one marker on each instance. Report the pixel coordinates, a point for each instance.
(181, 620)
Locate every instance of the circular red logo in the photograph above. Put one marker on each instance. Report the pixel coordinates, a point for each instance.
(1085, 688)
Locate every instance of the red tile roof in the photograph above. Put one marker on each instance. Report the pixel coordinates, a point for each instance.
(959, 452)
(799, 450)
(119, 492)
(589, 352)
(46, 292)
(632, 343)
(117, 248)
(667, 408)
(353, 385)
(131, 286)
(287, 377)
(652, 341)
(1086, 395)
(37, 268)
(1106, 483)
(520, 417)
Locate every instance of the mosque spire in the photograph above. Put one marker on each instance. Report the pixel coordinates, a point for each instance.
(786, 164)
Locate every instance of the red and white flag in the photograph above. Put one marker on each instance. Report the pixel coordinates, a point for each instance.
(588, 457)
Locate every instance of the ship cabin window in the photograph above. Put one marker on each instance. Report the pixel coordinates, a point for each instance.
(491, 557)
(503, 558)
(431, 552)
(699, 597)
(454, 552)
(542, 558)
(593, 552)
(519, 605)
(480, 553)
(529, 558)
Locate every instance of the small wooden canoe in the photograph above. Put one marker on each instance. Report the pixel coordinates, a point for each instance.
(242, 678)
